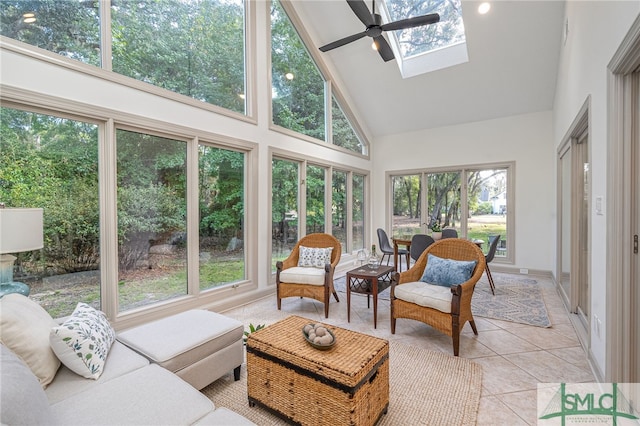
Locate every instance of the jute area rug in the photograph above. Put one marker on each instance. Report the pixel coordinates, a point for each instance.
(426, 388)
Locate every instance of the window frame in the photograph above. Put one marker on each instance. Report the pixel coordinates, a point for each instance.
(464, 205)
(105, 72)
(107, 121)
(303, 161)
(330, 89)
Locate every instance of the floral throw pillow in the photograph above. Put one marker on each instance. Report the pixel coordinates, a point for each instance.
(83, 341)
(447, 272)
(314, 257)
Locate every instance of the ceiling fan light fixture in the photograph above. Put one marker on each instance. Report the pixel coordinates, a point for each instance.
(375, 46)
(484, 8)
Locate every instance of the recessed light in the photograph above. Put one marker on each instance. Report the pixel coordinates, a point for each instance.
(484, 8)
(29, 17)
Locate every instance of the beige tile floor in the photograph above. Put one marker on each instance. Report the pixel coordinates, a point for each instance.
(514, 357)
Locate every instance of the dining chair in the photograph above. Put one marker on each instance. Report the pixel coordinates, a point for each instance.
(449, 233)
(493, 245)
(419, 243)
(387, 249)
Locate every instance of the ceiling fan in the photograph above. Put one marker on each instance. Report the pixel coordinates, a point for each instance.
(373, 22)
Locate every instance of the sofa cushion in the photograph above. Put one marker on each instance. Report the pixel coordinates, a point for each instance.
(180, 340)
(83, 341)
(301, 275)
(24, 328)
(315, 257)
(423, 294)
(120, 361)
(22, 399)
(147, 396)
(447, 272)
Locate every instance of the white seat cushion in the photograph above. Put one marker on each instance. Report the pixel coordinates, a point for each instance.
(300, 275)
(424, 294)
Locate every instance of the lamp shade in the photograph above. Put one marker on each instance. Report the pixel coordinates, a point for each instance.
(20, 230)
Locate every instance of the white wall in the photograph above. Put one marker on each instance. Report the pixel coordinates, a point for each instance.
(524, 139)
(596, 29)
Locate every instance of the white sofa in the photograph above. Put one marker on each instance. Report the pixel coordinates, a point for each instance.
(129, 390)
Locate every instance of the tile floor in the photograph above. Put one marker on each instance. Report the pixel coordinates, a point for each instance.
(515, 357)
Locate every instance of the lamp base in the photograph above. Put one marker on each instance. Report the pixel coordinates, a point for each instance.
(14, 287)
(7, 284)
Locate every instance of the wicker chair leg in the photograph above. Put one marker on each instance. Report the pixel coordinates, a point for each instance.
(455, 334)
(336, 296)
(490, 278)
(472, 323)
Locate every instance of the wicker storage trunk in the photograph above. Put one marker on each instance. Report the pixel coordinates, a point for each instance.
(345, 385)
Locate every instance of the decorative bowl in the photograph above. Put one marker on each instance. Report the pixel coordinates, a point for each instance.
(320, 346)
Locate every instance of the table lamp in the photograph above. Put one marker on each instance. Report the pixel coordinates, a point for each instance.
(20, 230)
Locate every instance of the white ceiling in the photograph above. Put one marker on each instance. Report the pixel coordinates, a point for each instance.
(513, 61)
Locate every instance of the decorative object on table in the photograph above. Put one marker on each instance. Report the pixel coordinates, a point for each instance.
(252, 329)
(319, 336)
(373, 260)
(297, 278)
(20, 230)
(436, 230)
(361, 256)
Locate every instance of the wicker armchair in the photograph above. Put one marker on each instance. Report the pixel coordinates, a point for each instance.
(315, 283)
(459, 312)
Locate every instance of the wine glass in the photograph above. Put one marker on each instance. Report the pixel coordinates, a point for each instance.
(361, 256)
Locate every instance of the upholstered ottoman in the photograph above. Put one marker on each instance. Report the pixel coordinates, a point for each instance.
(199, 346)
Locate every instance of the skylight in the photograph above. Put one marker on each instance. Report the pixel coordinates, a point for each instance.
(428, 48)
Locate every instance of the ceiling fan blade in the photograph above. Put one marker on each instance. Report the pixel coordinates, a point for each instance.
(384, 49)
(342, 41)
(416, 21)
(362, 11)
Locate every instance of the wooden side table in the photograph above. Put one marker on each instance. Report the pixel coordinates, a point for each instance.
(366, 280)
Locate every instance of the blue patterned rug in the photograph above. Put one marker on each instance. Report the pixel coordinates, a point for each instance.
(518, 299)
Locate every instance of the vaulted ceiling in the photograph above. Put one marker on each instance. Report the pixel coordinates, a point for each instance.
(513, 61)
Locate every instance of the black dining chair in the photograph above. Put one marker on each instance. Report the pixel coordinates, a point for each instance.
(493, 245)
(387, 249)
(449, 233)
(419, 243)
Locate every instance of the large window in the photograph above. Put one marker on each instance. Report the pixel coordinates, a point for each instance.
(195, 47)
(339, 207)
(300, 92)
(152, 221)
(69, 28)
(285, 181)
(52, 163)
(222, 201)
(191, 47)
(299, 203)
(473, 201)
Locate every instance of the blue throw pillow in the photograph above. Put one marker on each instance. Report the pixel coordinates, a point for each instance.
(447, 272)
